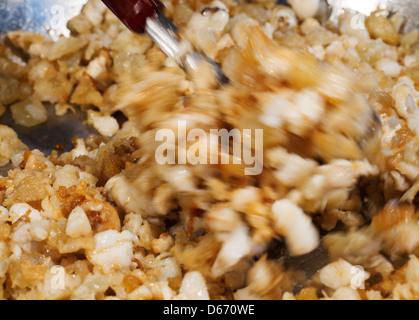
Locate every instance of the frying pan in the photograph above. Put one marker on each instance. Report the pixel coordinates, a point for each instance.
(50, 17)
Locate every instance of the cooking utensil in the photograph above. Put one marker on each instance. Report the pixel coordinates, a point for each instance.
(147, 16)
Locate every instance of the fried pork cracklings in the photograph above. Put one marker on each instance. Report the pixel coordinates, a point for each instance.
(338, 106)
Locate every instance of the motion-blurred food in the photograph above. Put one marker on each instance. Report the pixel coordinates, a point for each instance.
(338, 106)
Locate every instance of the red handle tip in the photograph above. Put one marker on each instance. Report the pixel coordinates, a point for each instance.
(134, 13)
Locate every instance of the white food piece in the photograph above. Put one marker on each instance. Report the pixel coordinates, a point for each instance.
(222, 219)
(169, 268)
(242, 197)
(78, 224)
(390, 67)
(29, 112)
(273, 112)
(94, 12)
(4, 214)
(341, 274)
(308, 107)
(22, 236)
(268, 29)
(336, 48)
(66, 176)
(205, 28)
(80, 149)
(89, 178)
(113, 251)
(412, 273)
(295, 170)
(236, 246)
(283, 19)
(125, 196)
(106, 125)
(96, 67)
(92, 284)
(4, 263)
(309, 25)
(9, 144)
(317, 51)
(193, 287)
(305, 8)
(17, 158)
(288, 296)
(410, 61)
(406, 99)
(346, 293)
(353, 24)
(180, 178)
(39, 230)
(18, 210)
(291, 222)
